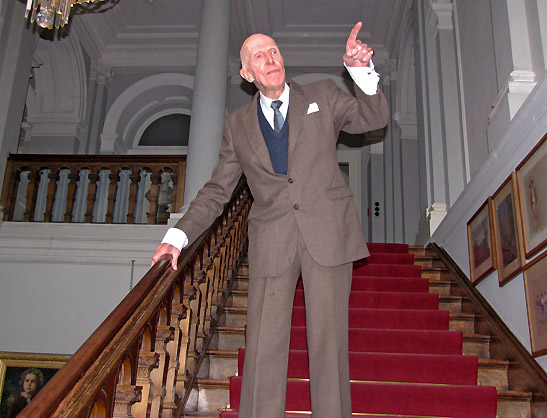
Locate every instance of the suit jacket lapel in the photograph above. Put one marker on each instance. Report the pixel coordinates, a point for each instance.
(297, 108)
(254, 135)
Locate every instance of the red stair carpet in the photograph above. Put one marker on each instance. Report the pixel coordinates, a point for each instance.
(403, 359)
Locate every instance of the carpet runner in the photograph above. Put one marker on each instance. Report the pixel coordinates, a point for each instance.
(403, 359)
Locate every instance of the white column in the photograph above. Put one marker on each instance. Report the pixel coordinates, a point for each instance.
(450, 94)
(99, 78)
(429, 110)
(520, 61)
(209, 99)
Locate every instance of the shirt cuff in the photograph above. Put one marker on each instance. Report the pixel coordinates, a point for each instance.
(176, 237)
(366, 78)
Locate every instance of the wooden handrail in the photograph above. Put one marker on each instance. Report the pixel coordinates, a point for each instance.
(537, 382)
(67, 188)
(155, 335)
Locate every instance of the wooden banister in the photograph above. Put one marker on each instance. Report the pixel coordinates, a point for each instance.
(143, 359)
(92, 183)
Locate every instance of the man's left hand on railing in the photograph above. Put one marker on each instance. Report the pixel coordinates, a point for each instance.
(164, 249)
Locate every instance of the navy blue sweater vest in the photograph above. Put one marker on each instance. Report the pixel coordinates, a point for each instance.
(277, 143)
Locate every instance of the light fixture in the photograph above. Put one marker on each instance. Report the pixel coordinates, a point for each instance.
(54, 13)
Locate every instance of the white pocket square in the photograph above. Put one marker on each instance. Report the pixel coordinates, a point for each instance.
(312, 108)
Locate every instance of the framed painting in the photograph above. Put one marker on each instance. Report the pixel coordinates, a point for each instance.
(481, 245)
(532, 187)
(507, 230)
(22, 375)
(535, 284)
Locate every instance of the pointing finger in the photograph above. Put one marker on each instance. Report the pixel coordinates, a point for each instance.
(353, 35)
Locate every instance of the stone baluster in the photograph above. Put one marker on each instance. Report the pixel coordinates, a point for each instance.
(94, 176)
(32, 192)
(72, 177)
(134, 178)
(113, 178)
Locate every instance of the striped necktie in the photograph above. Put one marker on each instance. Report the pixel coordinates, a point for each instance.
(278, 117)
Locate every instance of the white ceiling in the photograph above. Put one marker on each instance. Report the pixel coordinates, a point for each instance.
(310, 33)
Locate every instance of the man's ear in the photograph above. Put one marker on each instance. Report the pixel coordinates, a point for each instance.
(246, 75)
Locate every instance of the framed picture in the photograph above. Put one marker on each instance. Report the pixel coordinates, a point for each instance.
(481, 252)
(532, 186)
(22, 375)
(507, 230)
(535, 284)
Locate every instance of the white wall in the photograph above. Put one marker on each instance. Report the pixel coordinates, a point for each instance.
(58, 282)
(525, 130)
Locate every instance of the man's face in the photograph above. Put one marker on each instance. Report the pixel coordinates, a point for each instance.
(263, 64)
(30, 384)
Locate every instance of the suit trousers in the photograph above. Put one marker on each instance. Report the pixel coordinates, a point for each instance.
(269, 315)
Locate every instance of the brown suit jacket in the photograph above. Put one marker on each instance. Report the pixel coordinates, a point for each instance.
(313, 197)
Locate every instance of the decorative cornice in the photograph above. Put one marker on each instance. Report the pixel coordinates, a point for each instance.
(441, 14)
(100, 72)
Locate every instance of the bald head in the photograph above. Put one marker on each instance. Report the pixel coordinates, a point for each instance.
(262, 64)
(251, 41)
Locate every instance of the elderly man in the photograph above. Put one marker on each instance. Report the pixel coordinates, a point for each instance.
(303, 220)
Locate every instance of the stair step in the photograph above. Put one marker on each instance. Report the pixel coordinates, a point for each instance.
(203, 414)
(209, 395)
(238, 297)
(241, 282)
(440, 287)
(421, 250)
(427, 261)
(463, 322)
(235, 315)
(510, 404)
(388, 270)
(229, 337)
(450, 303)
(385, 258)
(493, 372)
(514, 404)
(393, 367)
(371, 318)
(435, 273)
(393, 398)
(307, 414)
(375, 247)
(477, 345)
(222, 363)
(392, 341)
(389, 284)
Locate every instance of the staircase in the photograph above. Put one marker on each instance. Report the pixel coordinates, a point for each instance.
(409, 326)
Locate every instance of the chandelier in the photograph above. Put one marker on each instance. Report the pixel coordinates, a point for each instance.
(54, 13)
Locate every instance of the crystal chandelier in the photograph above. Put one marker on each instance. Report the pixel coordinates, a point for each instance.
(54, 13)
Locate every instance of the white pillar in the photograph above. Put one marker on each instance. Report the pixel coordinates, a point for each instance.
(450, 95)
(99, 78)
(209, 99)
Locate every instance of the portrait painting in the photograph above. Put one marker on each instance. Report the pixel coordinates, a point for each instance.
(532, 188)
(22, 376)
(507, 231)
(480, 242)
(535, 283)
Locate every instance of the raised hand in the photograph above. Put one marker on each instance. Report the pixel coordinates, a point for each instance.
(357, 53)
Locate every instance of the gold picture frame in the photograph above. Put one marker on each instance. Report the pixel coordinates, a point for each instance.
(535, 284)
(507, 230)
(532, 188)
(482, 257)
(14, 367)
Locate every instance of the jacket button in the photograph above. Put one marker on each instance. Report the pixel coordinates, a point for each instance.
(295, 206)
(291, 181)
